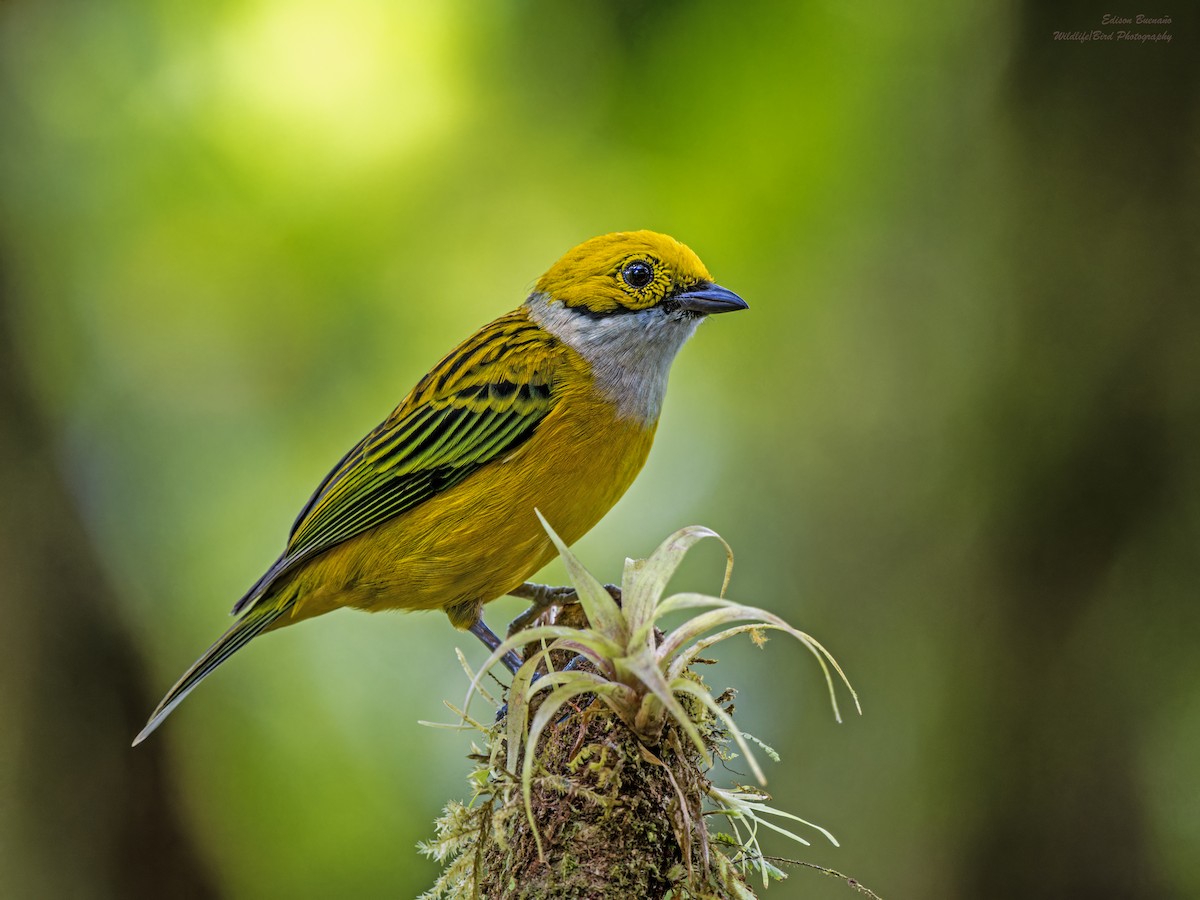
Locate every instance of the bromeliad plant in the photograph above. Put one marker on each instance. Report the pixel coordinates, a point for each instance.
(641, 673)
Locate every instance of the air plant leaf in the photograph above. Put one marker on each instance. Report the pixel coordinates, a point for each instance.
(601, 610)
(728, 612)
(645, 589)
(685, 686)
(657, 692)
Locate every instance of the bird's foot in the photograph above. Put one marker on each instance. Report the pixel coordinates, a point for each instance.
(542, 597)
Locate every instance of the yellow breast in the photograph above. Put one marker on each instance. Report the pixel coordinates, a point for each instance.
(480, 539)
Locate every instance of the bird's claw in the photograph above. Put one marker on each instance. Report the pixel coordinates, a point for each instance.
(543, 596)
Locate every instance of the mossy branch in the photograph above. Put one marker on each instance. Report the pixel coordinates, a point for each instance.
(595, 783)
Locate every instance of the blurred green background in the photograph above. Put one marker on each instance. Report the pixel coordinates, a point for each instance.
(955, 438)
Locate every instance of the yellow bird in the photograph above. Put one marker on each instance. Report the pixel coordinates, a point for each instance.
(552, 406)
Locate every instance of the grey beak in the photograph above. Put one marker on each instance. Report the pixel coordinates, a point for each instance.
(707, 298)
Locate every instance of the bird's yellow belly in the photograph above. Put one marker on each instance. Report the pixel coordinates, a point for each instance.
(480, 539)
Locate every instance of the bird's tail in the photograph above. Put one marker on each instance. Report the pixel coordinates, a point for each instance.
(254, 623)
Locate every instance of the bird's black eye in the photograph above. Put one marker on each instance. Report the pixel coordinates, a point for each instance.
(637, 274)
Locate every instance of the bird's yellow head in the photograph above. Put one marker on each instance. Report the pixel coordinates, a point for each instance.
(625, 272)
(626, 303)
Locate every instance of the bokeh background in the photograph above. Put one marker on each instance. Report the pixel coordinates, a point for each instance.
(955, 437)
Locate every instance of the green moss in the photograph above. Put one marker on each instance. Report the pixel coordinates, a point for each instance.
(609, 813)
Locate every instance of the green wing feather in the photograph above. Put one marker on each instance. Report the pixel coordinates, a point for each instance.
(479, 403)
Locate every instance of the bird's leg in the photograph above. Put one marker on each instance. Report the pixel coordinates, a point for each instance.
(511, 661)
(543, 596)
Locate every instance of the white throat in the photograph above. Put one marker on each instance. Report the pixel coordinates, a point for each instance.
(630, 353)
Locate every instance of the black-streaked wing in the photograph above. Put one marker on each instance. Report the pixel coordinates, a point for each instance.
(481, 402)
